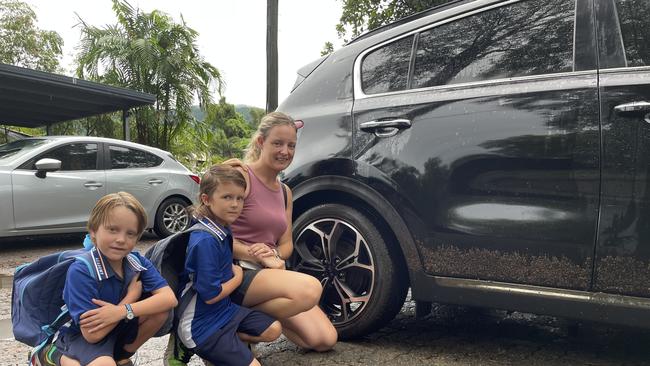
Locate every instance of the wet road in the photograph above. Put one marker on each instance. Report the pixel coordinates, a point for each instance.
(450, 335)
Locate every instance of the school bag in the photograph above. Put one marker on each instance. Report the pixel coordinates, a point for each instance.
(37, 307)
(168, 256)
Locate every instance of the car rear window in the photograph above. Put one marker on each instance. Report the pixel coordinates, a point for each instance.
(123, 158)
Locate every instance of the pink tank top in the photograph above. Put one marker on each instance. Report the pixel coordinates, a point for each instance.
(263, 219)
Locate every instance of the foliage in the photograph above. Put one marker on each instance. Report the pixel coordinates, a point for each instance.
(224, 133)
(359, 16)
(151, 53)
(22, 43)
(327, 49)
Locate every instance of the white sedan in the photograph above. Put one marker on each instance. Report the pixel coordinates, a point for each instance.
(48, 185)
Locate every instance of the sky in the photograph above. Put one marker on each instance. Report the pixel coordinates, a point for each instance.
(232, 35)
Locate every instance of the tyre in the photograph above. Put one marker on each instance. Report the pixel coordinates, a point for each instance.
(171, 217)
(363, 285)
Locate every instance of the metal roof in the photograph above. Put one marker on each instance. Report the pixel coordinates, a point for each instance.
(32, 98)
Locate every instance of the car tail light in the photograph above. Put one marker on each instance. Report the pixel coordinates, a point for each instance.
(195, 178)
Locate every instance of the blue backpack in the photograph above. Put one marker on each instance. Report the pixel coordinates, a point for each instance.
(168, 257)
(37, 307)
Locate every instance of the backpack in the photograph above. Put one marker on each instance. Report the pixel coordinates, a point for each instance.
(37, 307)
(168, 257)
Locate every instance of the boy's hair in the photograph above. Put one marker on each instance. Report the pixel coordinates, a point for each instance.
(100, 213)
(217, 174)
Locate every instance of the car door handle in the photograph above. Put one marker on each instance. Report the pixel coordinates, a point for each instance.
(155, 181)
(633, 108)
(385, 128)
(93, 185)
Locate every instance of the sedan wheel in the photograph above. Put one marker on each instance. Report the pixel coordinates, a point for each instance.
(172, 217)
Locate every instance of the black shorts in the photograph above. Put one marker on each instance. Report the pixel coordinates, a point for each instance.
(76, 347)
(225, 348)
(237, 296)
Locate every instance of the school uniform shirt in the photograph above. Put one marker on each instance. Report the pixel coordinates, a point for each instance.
(81, 286)
(208, 265)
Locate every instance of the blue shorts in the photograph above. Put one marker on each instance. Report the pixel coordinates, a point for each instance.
(225, 348)
(75, 346)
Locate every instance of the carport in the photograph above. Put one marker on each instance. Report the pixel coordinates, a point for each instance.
(31, 98)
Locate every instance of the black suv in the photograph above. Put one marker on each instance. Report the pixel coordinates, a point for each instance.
(487, 153)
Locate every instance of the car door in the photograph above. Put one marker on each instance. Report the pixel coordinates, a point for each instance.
(138, 172)
(487, 124)
(623, 250)
(62, 199)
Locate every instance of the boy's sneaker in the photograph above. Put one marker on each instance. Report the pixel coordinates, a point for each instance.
(176, 354)
(47, 356)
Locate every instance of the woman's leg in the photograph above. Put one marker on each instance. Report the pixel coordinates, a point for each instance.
(269, 335)
(281, 293)
(311, 330)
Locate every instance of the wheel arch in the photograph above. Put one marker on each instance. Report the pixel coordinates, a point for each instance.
(152, 217)
(348, 191)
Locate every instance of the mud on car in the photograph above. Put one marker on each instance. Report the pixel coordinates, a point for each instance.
(488, 153)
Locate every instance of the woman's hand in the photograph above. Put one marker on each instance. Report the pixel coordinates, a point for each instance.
(260, 250)
(105, 315)
(236, 163)
(272, 262)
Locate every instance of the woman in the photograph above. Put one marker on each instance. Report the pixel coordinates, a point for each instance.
(262, 240)
(263, 236)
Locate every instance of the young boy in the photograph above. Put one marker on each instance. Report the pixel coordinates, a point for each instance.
(109, 321)
(210, 324)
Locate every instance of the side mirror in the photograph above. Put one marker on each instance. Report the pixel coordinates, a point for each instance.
(47, 165)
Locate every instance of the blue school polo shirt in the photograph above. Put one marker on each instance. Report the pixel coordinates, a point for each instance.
(81, 287)
(208, 265)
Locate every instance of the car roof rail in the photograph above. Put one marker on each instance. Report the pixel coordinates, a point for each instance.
(407, 19)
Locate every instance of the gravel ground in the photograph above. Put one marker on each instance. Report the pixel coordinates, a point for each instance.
(449, 336)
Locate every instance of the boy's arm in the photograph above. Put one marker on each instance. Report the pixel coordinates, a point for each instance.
(229, 286)
(97, 323)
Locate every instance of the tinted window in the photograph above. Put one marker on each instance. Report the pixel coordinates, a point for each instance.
(78, 156)
(526, 38)
(123, 157)
(386, 69)
(634, 17)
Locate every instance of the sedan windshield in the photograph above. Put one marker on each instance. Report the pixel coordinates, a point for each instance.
(16, 148)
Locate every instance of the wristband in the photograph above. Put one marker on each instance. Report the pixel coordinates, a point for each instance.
(277, 254)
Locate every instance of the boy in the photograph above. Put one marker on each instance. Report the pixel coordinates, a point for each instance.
(210, 324)
(108, 322)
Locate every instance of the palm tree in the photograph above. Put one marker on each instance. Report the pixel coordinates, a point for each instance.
(151, 53)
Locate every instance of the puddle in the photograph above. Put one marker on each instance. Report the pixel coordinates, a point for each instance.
(6, 334)
(6, 281)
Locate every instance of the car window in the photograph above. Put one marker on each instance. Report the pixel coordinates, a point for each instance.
(634, 18)
(525, 38)
(124, 157)
(76, 156)
(16, 148)
(386, 69)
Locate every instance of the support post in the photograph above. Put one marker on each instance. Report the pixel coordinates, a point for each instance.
(125, 125)
(271, 55)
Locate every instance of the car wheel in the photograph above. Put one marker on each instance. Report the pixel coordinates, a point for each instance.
(171, 217)
(363, 287)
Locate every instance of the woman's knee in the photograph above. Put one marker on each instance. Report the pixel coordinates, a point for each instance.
(327, 342)
(308, 291)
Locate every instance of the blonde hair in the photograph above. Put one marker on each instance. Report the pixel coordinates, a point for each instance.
(217, 174)
(266, 124)
(100, 213)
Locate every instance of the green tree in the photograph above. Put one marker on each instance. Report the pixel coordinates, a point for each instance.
(151, 53)
(359, 16)
(22, 43)
(232, 132)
